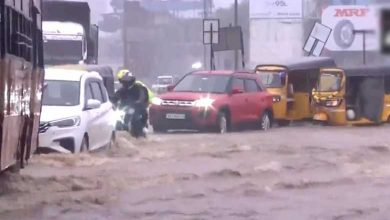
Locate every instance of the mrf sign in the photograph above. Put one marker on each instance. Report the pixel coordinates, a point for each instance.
(351, 12)
(385, 27)
(345, 20)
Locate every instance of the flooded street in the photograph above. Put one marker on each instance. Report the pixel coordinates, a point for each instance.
(287, 173)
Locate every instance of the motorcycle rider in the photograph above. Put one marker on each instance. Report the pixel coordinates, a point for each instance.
(132, 94)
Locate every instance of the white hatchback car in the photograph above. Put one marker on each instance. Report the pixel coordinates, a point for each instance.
(76, 113)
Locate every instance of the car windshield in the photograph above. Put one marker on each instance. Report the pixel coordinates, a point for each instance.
(329, 82)
(62, 52)
(164, 81)
(271, 79)
(61, 93)
(203, 83)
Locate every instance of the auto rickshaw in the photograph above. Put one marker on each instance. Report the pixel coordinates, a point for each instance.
(353, 96)
(291, 83)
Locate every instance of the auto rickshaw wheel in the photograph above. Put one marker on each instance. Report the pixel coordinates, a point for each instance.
(320, 123)
(284, 123)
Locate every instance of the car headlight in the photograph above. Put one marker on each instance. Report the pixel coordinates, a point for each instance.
(66, 122)
(204, 103)
(156, 101)
(333, 103)
(276, 98)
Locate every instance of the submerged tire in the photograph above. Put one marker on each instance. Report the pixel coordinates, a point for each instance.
(223, 123)
(84, 145)
(112, 141)
(265, 121)
(284, 123)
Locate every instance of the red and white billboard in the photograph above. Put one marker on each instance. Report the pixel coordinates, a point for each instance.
(344, 20)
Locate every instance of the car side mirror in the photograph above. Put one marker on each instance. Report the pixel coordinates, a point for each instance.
(93, 104)
(237, 91)
(170, 88)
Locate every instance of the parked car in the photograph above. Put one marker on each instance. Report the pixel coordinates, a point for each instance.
(220, 100)
(162, 84)
(76, 113)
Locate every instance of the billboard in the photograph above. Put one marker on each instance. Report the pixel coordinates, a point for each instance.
(276, 9)
(345, 21)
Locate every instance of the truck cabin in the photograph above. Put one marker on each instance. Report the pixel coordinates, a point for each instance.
(64, 43)
(74, 12)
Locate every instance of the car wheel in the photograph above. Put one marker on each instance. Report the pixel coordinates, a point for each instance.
(15, 168)
(265, 122)
(112, 141)
(84, 145)
(222, 123)
(284, 123)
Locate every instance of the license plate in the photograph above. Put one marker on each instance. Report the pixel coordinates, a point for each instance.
(176, 116)
(130, 111)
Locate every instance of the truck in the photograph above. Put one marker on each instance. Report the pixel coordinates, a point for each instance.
(69, 37)
(21, 80)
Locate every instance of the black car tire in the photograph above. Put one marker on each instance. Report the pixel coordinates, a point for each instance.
(112, 141)
(223, 123)
(84, 145)
(265, 121)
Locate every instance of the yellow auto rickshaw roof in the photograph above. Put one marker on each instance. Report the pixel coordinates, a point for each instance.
(302, 63)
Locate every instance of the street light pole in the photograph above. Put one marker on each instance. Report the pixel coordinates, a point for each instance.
(236, 24)
(364, 33)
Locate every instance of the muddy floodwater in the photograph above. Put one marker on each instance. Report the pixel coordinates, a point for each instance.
(300, 172)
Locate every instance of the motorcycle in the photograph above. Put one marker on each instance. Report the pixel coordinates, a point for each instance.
(129, 119)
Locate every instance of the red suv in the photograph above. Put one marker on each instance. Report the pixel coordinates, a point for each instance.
(219, 100)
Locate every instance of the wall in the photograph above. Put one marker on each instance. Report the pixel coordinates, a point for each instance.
(275, 40)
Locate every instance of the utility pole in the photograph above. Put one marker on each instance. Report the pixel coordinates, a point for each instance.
(236, 24)
(125, 42)
(205, 47)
